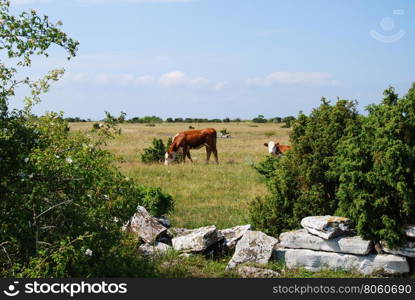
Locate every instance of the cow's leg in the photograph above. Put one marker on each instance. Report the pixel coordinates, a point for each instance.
(208, 153)
(187, 153)
(215, 153)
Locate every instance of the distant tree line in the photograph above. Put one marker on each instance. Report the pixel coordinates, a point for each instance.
(76, 120)
(155, 119)
(287, 120)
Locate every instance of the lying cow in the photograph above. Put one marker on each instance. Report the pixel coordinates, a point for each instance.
(276, 148)
(192, 139)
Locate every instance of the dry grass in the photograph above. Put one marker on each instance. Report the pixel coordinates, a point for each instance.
(205, 194)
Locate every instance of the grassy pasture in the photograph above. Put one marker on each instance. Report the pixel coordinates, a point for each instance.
(205, 194)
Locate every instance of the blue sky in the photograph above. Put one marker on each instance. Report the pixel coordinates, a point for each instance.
(233, 58)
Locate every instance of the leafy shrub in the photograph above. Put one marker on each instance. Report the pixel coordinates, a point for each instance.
(376, 169)
(156, 201)
(346, 164)
(259, 119)
(288, 122)
(155, 153)
(299, 181)
(224, 132)
(63, 200)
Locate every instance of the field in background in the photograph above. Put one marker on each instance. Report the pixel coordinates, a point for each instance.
(205, 194)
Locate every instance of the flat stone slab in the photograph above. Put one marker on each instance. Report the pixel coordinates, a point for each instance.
(301, 239)
(233, 235)
(318, 260)
(145, 226)
(197, 240)
(253, 272)
(410, 231)
(255, 247)
(407, 250)
(154, 250)
(177, 231)
(326, 227)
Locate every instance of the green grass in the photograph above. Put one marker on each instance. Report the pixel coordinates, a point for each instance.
(197, 266)
(204, 194)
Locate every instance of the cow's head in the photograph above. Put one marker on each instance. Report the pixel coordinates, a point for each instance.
(273, 148)
(169, 157)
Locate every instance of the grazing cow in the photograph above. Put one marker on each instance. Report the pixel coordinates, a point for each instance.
(192, 139)
(276, 148)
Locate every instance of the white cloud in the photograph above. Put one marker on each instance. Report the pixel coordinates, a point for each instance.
(171, 79)
(293, 78)
(77, 77)
(220, 85)
(144, 80)
(178, 78)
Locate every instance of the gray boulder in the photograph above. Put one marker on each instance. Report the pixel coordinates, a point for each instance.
(177, 231)
(164, 222)
(197, 240)
(318, 260)
(255, 247)
(407, 250)
(154, 250)
(233, 235)
(410, 231)
(253, 272)
(326, 227)
(145, 226)
(301, 239)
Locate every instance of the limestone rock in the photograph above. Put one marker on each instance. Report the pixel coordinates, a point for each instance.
(164, 222)
(152, 250)
(233, 235)
(253, 272)
(326, 227)
(177, 231)
(197, 240)
(407, 250)
(145, 226)
(318, 260)
(254, 246)
(410, 231)
(301, 239)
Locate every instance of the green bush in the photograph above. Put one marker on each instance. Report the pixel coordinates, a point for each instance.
(156, 152)
(346, 164)
(299, 182)
(376, 169)
(288, 122)
(224, 131)
(63, 200)
(156, 201)
(259, 119)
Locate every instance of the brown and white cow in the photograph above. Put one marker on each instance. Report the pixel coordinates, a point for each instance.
(192, 139)
(276, 148)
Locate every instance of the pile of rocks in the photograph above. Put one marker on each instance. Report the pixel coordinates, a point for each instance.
(159, 238)
(325, 242)
(328, 242)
